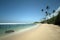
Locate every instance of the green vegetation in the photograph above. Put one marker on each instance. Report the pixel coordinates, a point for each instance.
(57, 21)
(47, 13)
(36, 22)
(54, 20)
(50, 21)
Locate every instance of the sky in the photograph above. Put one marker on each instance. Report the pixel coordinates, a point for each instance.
(25, 11)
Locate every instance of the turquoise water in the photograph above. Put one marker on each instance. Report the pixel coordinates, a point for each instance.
(15, 27)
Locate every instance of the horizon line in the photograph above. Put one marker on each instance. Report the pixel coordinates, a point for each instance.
(14, 23)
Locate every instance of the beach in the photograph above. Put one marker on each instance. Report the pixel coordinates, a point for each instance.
(41, 32)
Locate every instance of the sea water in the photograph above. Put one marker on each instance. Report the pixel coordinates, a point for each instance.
(15, 27)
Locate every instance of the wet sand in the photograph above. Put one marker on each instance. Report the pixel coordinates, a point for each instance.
(42, 32)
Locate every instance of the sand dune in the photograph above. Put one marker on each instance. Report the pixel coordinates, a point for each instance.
(42, 32)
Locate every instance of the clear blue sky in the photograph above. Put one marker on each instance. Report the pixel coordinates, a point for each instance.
(25, 10)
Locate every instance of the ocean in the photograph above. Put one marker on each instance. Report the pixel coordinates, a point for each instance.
(14, 27)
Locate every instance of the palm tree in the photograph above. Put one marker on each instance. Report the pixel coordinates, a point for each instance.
(53, 15)
(47, 8)
(53, 11)
(46, 15)
(44, 19)
(42, 10)
(49, 14)
(46, 12)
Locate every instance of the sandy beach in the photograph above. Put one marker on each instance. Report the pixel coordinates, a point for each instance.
(42, 32)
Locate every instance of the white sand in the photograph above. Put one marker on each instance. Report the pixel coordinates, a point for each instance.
(43, 32)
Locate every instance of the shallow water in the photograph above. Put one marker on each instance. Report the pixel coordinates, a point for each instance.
(15, 27)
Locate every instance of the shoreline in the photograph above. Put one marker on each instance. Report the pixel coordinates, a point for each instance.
(21, 31)
(41, 32)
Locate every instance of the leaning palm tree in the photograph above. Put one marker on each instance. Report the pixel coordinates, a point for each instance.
(53, 15)
(46, 15)
(46, 12)
(44, 19)
(47, 8)
(49, 14)
(53, 11)
(42, 10)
